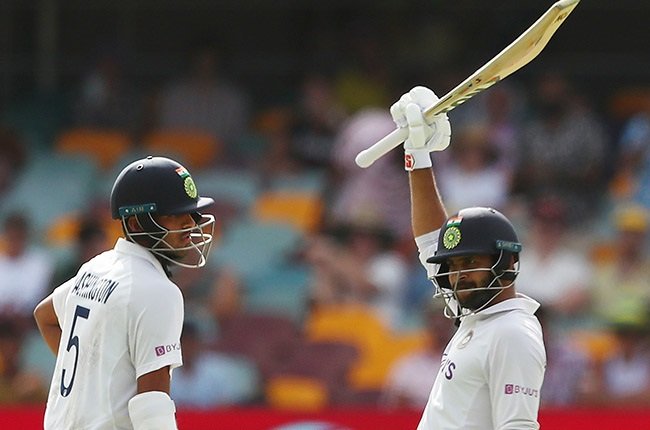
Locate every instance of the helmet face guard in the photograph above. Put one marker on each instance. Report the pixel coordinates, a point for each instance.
(154, 239)
(472, 232)
(160, 186)
(483, 296)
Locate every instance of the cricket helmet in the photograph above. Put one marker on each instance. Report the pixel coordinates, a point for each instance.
(476, 231)
(161, 186)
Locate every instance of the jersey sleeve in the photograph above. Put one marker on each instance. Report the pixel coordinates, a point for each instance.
(59, 296)
(427, 245)
(516, 365)
(155, 322)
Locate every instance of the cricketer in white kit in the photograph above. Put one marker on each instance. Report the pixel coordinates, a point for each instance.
(116, 325)
(493, 368)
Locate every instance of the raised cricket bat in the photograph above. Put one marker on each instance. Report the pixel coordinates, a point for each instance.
(512, 58)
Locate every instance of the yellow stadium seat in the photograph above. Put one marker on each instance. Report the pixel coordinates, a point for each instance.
(302, 210)
(105, 146)
(64, 230)
(371, 372)
(378, 347)
(296, 393)
(198, 149)
(351, 323)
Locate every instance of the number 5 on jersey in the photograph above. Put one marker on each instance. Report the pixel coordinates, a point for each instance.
(73, 341)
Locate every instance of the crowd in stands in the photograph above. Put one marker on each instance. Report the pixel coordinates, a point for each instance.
(313, 294)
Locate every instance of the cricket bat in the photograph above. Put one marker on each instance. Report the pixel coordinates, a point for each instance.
(515, 56)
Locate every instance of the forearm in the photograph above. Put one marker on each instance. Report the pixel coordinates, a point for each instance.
(48, 324)
(427, 210)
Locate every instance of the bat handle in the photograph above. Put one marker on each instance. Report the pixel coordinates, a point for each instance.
(368, 156)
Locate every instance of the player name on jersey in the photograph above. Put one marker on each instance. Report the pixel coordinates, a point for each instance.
(91, 286)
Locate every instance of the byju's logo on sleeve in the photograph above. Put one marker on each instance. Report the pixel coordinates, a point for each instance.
(164, 349)
(519, 389)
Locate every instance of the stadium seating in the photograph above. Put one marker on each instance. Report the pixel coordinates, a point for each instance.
(303, 210)
(265, 339)
(51, 186)
(358, 326)
(282, 289)
(106, 147)
(249, 246)
(200, 150)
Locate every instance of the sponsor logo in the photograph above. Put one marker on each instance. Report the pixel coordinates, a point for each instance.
(519, 389)
(409, 162)
(447, 367)
(164, 349)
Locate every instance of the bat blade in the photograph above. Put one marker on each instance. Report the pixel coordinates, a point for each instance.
(512, 58)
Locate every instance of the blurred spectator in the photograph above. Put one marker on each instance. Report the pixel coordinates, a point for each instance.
(319, 117)
(91, 240)
(106, 99)
(563, 147)
(278, 157)
(471, 176)
(632, 175)
(623, 380)
(205, 100)
(226, 296)
(411, 377)
(358, 266)
(208, 379)
(13, 156)
(500, 111)
(625, 275)
(26, 270)
(379, 192)
(17, 385)
(567, 367)
(552, 272)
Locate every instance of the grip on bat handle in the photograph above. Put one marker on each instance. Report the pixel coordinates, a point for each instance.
(368, 156)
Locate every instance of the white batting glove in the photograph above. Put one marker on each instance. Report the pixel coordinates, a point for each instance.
(424, 137)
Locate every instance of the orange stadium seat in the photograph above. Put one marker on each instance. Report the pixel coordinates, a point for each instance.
(198, 149)
(302, 210)
(630, 101)
(105, 146)
(300, 393)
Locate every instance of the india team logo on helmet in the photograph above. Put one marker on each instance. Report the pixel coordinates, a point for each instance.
(188, 182)
(452, 235)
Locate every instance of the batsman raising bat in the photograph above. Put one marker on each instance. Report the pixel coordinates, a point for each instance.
(493, 367)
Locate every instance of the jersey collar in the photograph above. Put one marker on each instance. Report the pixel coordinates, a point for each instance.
(126, 247)
(521, 302)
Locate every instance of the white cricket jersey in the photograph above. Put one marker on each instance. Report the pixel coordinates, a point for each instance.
(121, 317)
(492, 369)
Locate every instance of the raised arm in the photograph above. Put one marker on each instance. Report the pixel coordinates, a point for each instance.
(427, 209)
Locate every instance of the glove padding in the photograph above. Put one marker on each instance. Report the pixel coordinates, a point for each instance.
(431, 136)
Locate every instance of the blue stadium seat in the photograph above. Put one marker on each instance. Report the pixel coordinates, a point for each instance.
(238, 187)
(52, 185)
(249, 246)
(280, 290)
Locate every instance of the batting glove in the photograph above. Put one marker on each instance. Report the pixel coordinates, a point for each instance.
(424, 136)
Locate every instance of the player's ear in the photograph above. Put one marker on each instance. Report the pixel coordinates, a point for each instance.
(133, 224)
